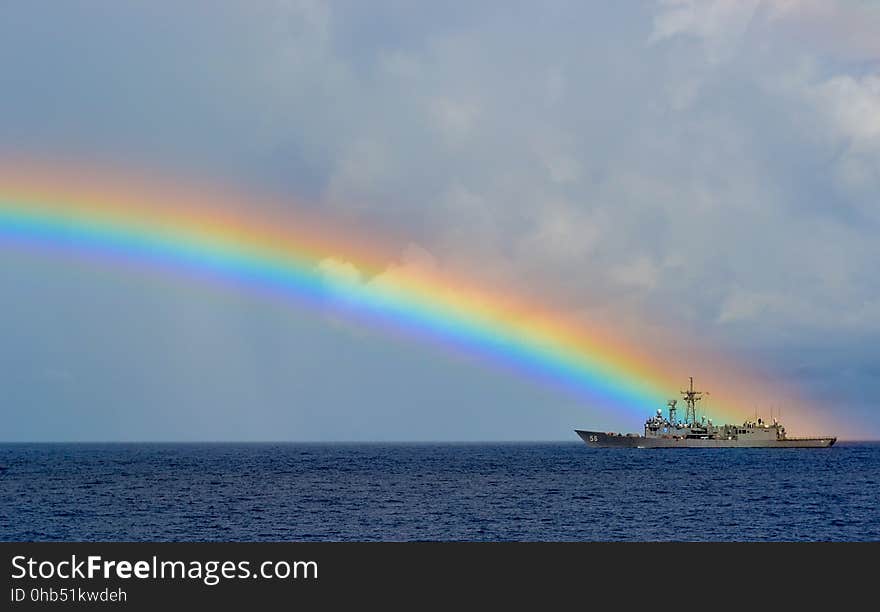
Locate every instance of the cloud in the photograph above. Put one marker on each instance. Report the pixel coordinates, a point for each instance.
(454, 119)
(847, 30)
(339, 272)
(360, 168)
(342, 276)
(853, 107)
(720, 24)
(843, 29)
(710, 166)
(640, 273)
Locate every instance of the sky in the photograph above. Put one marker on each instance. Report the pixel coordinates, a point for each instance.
(709, 167)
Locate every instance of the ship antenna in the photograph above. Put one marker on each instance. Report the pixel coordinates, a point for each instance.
(691, 397)
(671, 403)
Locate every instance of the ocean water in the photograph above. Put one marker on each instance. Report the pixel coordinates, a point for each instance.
(564, 491)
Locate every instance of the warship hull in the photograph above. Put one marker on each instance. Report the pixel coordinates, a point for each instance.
(599, 439)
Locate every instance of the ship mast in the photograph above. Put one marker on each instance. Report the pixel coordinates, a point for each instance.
(691, 398)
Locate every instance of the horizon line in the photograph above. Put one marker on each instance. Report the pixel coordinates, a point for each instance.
(341, 442)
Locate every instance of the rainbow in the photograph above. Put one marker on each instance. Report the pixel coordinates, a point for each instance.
(219, 237)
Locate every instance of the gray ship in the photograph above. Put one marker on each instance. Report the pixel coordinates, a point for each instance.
(669, 432)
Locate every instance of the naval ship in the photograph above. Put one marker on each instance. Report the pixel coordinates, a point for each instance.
(669, 432)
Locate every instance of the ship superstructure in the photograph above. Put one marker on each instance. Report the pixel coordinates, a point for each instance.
(670, 432)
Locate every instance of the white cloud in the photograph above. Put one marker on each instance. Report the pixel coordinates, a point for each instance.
(853, 107)
(472, 219)
(563, 233)
(363, 167)
(709, 171)
(339, 272)
(641, 273)
(454, 119)
(584, 183)
(303, 19)
(563, 169)
(844, 29)
(414, 266)
(842, 114)
(413, 262)
(720, 24)
(742, 305)
(683, 92)
(402, 65)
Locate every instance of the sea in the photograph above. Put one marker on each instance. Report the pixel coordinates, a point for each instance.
(479, 491)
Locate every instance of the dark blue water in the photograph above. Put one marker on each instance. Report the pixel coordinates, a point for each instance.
(436, 492)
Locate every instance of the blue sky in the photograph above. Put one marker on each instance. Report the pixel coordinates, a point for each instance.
(711, 166)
